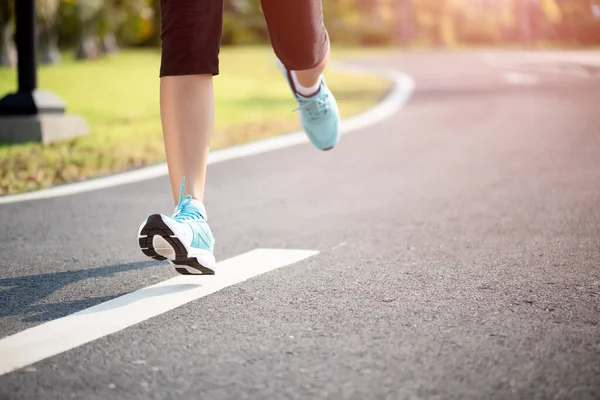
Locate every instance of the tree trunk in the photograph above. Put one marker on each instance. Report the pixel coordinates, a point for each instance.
(108, 44)
(523, 8)
(87, 47)
(8, 52)
(405, 21)
(48, 39)
(156, 19)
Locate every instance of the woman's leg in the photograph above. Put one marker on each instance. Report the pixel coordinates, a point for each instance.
(187, 113)
(191, 37)
(301, 43)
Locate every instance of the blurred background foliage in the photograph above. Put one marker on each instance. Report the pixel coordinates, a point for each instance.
(95, 27)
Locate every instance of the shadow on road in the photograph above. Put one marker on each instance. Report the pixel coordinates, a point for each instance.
(22, 295)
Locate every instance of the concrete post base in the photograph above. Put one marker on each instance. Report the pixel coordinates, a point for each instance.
(44, 128)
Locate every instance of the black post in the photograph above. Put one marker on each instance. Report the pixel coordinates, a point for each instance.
(26, 45)
(28, 100)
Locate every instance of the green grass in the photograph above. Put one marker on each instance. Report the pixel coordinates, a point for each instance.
(119, 98)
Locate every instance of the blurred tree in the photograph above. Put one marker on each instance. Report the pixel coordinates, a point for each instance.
(430, 16)
(87, 27)
(580, 26)
(67, 24)
(154, 39)
(8, 53)
(523, 18)
(94, 27)
(536, 20)
(243, 23)
(136, 21)
(480, 21)
(405, 17)
(373, 27)
(338, 15)
(47, 34)
(109, 18)
(552, 11)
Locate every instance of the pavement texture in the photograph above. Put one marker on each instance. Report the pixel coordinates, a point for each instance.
(459, 259)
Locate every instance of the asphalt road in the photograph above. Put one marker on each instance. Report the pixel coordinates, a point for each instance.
(459, 258)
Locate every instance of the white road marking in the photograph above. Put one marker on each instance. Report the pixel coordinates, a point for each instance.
(63, 334)
(517, 78)
(394, 101)
(587, 57)
(542, 63)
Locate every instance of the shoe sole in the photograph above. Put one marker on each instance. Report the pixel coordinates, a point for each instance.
(185, 265)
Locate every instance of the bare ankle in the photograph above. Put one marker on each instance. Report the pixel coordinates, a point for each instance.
(310, 77)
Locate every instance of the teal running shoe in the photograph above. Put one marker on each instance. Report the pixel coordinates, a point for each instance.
(319, 114)
(185, 239)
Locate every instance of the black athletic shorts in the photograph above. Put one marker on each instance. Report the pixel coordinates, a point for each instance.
(191, 34)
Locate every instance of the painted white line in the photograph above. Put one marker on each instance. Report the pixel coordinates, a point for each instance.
(517, 78)
(393, 102)
(534, 63)
(587, 57)
(55, 337)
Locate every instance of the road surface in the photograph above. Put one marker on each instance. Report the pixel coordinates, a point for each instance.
(458, 257)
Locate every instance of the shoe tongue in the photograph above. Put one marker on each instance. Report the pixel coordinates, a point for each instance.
(189, 208)
(199, 206)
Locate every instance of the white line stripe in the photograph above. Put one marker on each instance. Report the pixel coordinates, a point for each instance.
(517, 78)
(540, 66)
(60, 335)
(394, 101)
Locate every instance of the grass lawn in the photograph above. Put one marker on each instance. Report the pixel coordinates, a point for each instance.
(119, 98)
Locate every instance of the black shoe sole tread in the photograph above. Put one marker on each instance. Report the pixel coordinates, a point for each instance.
(155, 226)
